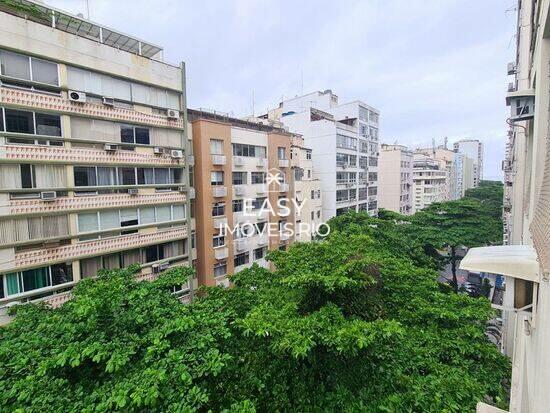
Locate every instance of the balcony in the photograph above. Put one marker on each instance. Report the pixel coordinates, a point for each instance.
(64, 155)
(284, 236)
(221, 253)
(219, 222)
(284, 163)
(241, 244)
(262, 240)
(52, 103)
(238, 161)
(283, 187)
(63, 253)
(218, 159)
(261, 163)
(238, 190)
(219, 191)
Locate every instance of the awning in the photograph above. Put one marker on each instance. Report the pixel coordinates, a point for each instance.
(518, 261)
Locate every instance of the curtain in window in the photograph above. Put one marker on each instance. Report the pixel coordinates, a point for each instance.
(36, 278)
(216, 146)
(131, 257)
(12, 281)
(165, 137)
(93, 129)
(145, 176)
(50, 176)
(45, 72)
(35, 228)
(55, 226)
(161, 176)
(147, 215)
(88, 222)
(111, 262)
(178, 211)
(10, 176)
(163, 213)
(89, 267)
(110, 219)
(106, 176)
(173, 100)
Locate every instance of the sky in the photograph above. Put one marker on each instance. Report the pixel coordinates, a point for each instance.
(433, 68)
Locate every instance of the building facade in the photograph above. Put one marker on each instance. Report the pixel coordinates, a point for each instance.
(395, 179)
(306, 191)
(344, 139)
(244, 197)
(524, 259)
(94, 155)
(447, 159)
(473, 149)
(429, 181)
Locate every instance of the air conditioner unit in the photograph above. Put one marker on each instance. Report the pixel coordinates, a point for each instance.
(157, 150)
(511, 68)
(108, 101)
(164, 266)
(110, 147)
(172, 114)
(75, 96)
(48, 195)
(177, 154)
(133, 191)
(155, 268)
(182, 189)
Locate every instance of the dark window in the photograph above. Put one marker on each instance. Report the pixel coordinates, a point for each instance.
(19, 122)
(142, 136)
(127, 134)
(48, 124)
(27, 176)
(176, 175)
(61, 273)
(1, 121)
(238, 205)
(127, 176)
(151, 253)
(84, 176)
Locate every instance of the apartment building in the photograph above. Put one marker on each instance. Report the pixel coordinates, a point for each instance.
(524, 260)
(446, 158)
(344, 139)
(306, 191)
(244, 204)
(473, 149)
(395, 179)
(94, 157)
(430, 179)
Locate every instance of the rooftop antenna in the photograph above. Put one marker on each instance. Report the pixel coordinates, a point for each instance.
(252, 102)
(433, 146)
(446, 141)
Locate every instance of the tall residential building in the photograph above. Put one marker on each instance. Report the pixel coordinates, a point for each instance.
(447, 159)
(344, 139)
(473, 149)
(524, 260)
(429, 181)
(395, 179)
(93, 168)
(244, 197)
(306, 191)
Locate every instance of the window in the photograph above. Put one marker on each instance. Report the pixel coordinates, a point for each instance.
(218, 209)
(239, 178)
(319, 214)
(28, 176)
(218, 241)
(257, 177)
(258, 203)
(238, 205)
(281, 152)
(128, 217)
(216, 178)
(19, 121)
(216, 147)
(312, 194)
(85, 176)
(49, 125)
(259, 253)
(20, 282)
(134, 134)
(308, 154)
(28, 68)
(220, 269)
(88, 222)
(260, 227)
(241, 149)
(345, 159)
(127, 176)
(241, 259)
(346, 142)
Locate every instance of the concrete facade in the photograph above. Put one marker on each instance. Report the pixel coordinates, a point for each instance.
(473, 149)
(395, 180)
(429, 181)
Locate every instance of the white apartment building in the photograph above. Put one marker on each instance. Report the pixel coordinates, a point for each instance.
(429, 181)
(395, 179)
(446, 158)
(344, 139)
(307, 191)
(473, 149)
(94, 155)
(524, 260)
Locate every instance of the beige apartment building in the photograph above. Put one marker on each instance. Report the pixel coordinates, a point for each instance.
(306, 191)
(429, 181)
(524, 260)
(395, 179)
(94, 157)
(447, 159)
(244, 197)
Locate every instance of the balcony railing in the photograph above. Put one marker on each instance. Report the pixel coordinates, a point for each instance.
(284, 163)
(218, 159)
(219, 191)
(221, 253)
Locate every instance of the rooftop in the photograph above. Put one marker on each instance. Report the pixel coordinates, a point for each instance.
(39, 12)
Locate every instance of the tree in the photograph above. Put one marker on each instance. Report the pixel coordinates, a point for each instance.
(455, 224)
(356, 322)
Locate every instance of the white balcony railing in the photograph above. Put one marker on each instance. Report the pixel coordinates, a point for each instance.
(284, 163)
(220, 222)
(241, 244)
(218, 159)
(219, 191)
(261, 163)
(238, 161)
(238, 190)
(261, 189)
(221, 253)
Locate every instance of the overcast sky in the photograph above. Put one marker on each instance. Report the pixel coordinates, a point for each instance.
(434, 68)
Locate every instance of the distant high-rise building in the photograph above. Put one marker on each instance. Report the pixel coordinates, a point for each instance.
(395, 179)
(344, 140)
(473, 149)
(447, 159)
(429, 181)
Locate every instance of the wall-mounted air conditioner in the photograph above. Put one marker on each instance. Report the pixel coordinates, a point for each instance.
(108, 101)
(511, 68)
(157, 150)
(48, 195)
(75, 96)
(176, 154)
(133, 191)
(172, 114)
(110, 147)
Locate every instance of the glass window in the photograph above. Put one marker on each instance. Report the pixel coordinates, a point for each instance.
(36, 278)
(241, 259)
(48, 124)
(178, 212)
(239, 178)
(147, 215)
(84, 176)
(106, 175)
(238, 205)
(176, 175)
(18, 121)
(61, 273)
(28, 178)
(126, 133)
(44, 72)
(218, 241)
(216, 178)
(257, 177)
(15, 65)
(220, 269)
(128, 217)
(88, 222)
(142, 136)
(216, 146)
(126, 176)
(218, 209)
(281, 152)
(145, 176)
(161, 176)
(152, 253)
(259, 253)
(109, 219)
(163, 213)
